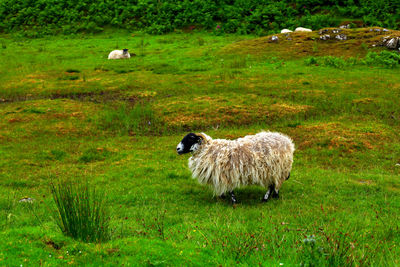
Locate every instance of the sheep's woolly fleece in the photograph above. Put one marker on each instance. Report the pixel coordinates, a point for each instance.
(118, 54)
(263, 159)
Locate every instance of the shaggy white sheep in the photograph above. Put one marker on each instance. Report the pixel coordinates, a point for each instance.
(301, 29)
(118, 54)
(264, 159)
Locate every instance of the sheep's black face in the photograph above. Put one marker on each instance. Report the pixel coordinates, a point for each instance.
(189, 143)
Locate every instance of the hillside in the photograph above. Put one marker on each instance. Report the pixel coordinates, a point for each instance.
(338, 42)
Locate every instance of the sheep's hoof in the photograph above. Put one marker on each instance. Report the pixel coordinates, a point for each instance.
(233, 198)
(275, 194)
(264, 200)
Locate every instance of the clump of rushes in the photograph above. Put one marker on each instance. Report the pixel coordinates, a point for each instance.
(81, 211)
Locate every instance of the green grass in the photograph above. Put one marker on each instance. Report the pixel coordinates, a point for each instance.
(81, 211)
(339, 208)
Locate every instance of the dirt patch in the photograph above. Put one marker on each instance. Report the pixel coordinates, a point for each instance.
(335, 135)
(207, 111)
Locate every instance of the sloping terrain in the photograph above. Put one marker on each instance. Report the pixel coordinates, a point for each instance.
(324, 42)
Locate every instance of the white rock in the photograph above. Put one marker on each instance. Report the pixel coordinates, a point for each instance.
(274, 38)
(118, 54)
(392, 43)
(27, 199)
(285, 31)
(341, 37)
(325, 37)
(301, 29)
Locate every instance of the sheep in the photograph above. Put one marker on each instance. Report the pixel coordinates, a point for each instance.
(264, 159)
(286, 31)
(118, 54)
(301, 29)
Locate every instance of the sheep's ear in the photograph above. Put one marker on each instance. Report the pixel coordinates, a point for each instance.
(200, 138)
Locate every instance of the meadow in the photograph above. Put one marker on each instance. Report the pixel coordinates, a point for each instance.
(68, 113)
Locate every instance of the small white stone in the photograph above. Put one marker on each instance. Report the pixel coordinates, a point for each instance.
(274, 38)
(27, 199)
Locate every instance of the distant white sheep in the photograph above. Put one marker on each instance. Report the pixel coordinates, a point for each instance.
(264, 159)
(301, 29)
(286, 31)
(118, 54)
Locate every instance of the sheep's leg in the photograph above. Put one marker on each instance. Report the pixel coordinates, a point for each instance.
(275, 193)
(223, 196)
(267, 195)
(272, 192)
(233, 198)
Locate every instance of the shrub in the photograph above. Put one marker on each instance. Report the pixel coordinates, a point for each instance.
(386, 59)
(158, 17)
(81, 211)
(330, 61)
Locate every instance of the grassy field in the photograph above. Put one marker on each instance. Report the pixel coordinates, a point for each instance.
(66, 112)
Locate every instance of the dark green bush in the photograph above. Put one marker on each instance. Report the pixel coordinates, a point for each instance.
(260, 17)
(386, 59)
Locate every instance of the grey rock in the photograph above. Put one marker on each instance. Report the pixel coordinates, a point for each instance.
(385, 30)
(289, 39)
(323, 31)
(393, 43)
(377, 30)
(336, 30)
(384, 39)
(345, 26)
(325, 37)
(274, 38)
(341, 37)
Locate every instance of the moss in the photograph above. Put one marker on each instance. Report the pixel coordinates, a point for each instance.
(302, 44)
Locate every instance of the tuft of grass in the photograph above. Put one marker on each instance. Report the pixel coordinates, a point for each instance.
(81, 211)
(73, 71)
(70, 77)
(94, 154)
(139, 119)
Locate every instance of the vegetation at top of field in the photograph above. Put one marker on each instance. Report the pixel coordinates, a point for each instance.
(37, 18)
(68, 113)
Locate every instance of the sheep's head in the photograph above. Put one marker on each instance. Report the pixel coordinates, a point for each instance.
(190, 143)
(125, 51)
